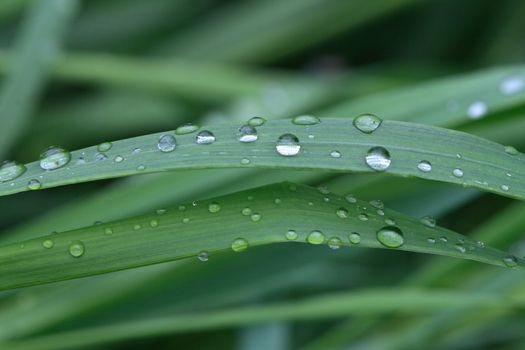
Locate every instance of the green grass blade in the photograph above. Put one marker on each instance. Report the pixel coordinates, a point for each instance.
(485, 165)
(177, 234)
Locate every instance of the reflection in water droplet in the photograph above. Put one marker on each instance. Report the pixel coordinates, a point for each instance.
(315, 237)
(306, 120)
(54, 157)
(167, 143)
(34, 185)
(76, 249)
(10, 170)
(291, 235)
(247, 133)
(256, 121)
(390, 237)
(354, 238)
(477, 110)
(186, 129)
(378, 159)
(334, 243)
(424, 166)
(367, 123)
(288, 145)
(239, 244)
(205, 137)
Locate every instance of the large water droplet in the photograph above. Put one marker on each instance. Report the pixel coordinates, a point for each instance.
(342, 213)
(205, 137)
(335, 154)
(367, 123)
(186, 129)
(477, 110)
(378, 158)
(505, 188)
(315, 237)
(511, 150)
(247, 133)
(34, 184)
(203, 256)
(390, 237)
(48, 243)
(457, 172)
(54, 157)
(10, 170)
(354, 238)
(76, 249)
(104, 146)
(510, 261)
(306, 120)
(424, 166)
(239, 244)
(288, 145)
(214, 207)
(291, 235)
(256, 121)
(335, 243)
(512, 85)
(167, 143)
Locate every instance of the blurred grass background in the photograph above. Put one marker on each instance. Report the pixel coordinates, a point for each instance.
(79, 73)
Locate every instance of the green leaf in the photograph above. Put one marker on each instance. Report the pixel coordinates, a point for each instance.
(455, 157)
(233, 222)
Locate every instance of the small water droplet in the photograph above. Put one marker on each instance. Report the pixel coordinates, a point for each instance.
(424, 166)
(288, 145)
(443, 239)
(141, 167)
(118, 159)
(186, 129)
(205, 137)
(214, 207)
(247, 133)
(104, 146)
(334, 243)
(256, 217)
(136, 151)
(428, 221)
(378, 204)
(167, 143)
(460, 248)
(380, 212)
(505, 188)
(390, 236)
(342, 213)
(458, 156)
(511, 150)
(203, 256)
(239, 244)
(431, 240)
(378, 158)
(362, 217)
(457, 172)
(185, 220)
(100, 156)
(315, 237)
(511, 85)
(161, 211)
(48, 243)
(154, 223)
(108, 230)
(245, 161)
(354, 238)
(311, 136)
(291, 235)
(351, 199)
(480, 244)
(181, 207)
(34, 185)
(306, 120)
(367, 123)
(246, 211)
(510, 261)
(54, 157)
(256, 121)
(477, 110)
(10, 170)
(137, 227)
(80, 161)
(76, 249)
(277, 201)
(335, 154)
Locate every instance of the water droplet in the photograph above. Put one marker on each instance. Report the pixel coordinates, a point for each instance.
(104, 146)
(367, 123)
(154, 223)
(315, 237)
(288, 145)
(239, 244)
(48, 243)
(214, 207)
(390, 236)
(137, 227)
(54, 157)
(100, 156)
(351, 199)
(108, 230)
(203, 256)
(306, 120)
(431, 240)
(362, 217)
(161, 211)
(10, 170)
(460, 248)
(335, 154)
(378, 158)
(256, 217)
(480, 244)
(247, 133)
(477, 110)
(118, 159)
(511, 85)
(428, 221)
(505, 188)
(246, 211)
(141, 167)
(457, 172)
(334, 243)
(443, 239)
(342, 213)
(80, 161)
(424, 166)
(205, 137)
(458, 156)
(380, 212)
(185, 220)
(245, 161)
(186, 129)
(378, 204)
(354, 238)
(76, 249)
(390, 221)
(136, 151)
(511, 150)
(277, 201)
(167, 143)
(311, 136)
(256, 121)
(291, 235)
(510, 261)
(34, 185)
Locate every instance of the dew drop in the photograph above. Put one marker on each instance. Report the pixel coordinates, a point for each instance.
(315, 237)
(214, 207)
(205, 137)
(256, 121)
(367, 123)
(480, 244)
(335, 154)
(362, 217)
(351, 199)
(424, 166)
(354, 238)
(460, 248)
(511, 85)
(390, 221)
(342, 213)
(247, 133)
(291, 235)
(306, 120)
(390, 236)
(245, 161)
(505, 188)
(118, 159)
(167, 143)
(510, 261)
(477, 110)
(48, 243)
(161, 211)
(203, 256)
(511, 150)
(239, 244)
(277, 201)
(380, 212)
(76, 249)
(378, 204)
(34, 185)
(443, 239)
(154, 223)
(137, 227)
(334, 243)
(378, 158)
(10, 170)
(185, 220)
(288, 145)
(323, 190)
(108, 231)
(54, 157)
(186, 129)
(431, 240)
(104, 146)
(141, 167)
(457, 172)
(428, 221)
(256, 217)
(100, 156)
(246, 211)
(136, 151)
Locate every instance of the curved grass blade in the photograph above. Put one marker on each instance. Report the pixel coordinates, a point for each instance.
(262, 216)
(332, 144)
